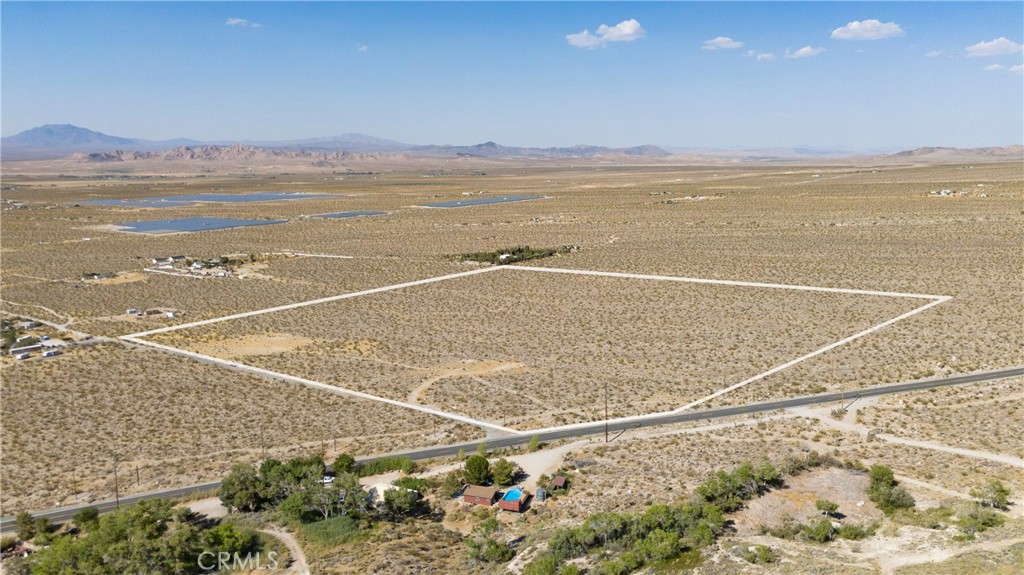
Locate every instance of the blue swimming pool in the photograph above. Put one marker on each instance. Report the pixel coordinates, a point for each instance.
(514, 494)
(338, 215)
(190, 199)
(190, 225)
(481, 201)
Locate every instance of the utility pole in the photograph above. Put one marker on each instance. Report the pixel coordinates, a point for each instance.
(137, 480)
(606, 411)
(117, 496)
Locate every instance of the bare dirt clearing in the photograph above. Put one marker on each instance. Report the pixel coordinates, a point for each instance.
(842, 486)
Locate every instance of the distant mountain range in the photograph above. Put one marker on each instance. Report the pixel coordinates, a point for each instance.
(64, 140)
(55, 141)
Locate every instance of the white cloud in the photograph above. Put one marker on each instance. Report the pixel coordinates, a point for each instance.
(867, 30)
(1018, 69)
(242, 22)
(805, 52)
(996, 47)
(721, 42)
(761, 56)
(934, 54)
(994, 68)
(625, 31)
(362, 48)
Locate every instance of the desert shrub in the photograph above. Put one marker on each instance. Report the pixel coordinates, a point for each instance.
(489, 550)
(992, 494)
(760, 555)
(855, 532)
(820, 532)
(974, 518)
(885, 492)
(544, 564)
(7, 542)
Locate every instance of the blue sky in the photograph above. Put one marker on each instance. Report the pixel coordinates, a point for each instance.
(781, 74)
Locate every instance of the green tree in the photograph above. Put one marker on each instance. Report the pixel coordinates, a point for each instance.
(353, 498)
(992, 494)
(87, 518)
(42, 527)
(242, 489)
(400, 502)
(504, 472)
(534, 443)
(461, 455)
(225, 537)
(343, 463)
(25, 526)
(451, 484)
(477, 471)
(827, 507)
(481, 449)
(658, 545)
(324, 499)
(295, 507)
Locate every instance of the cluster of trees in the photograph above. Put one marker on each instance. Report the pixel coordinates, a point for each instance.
(887, 494)
(662, 532)
(295, 488)
(148, 537)
(513, 255)
(478, 471)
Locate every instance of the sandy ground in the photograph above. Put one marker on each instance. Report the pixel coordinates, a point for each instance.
(253, 345)
(121, 278)
(847, 425)
(210, 507)
(471, 368)
(844, 487)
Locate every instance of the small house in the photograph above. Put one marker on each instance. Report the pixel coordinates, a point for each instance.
(559, 482)
(480, 495)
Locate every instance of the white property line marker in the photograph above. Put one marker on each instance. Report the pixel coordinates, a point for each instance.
(319, 385)
(308, 303)
(828, 347)
(135, 337)
(725, 282)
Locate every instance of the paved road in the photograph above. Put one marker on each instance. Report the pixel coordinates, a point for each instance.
(66, 513)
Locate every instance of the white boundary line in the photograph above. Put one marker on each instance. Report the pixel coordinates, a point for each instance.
(136, 338)
(725, 282)
(319, 385)
(309, 303)
(828, 347)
